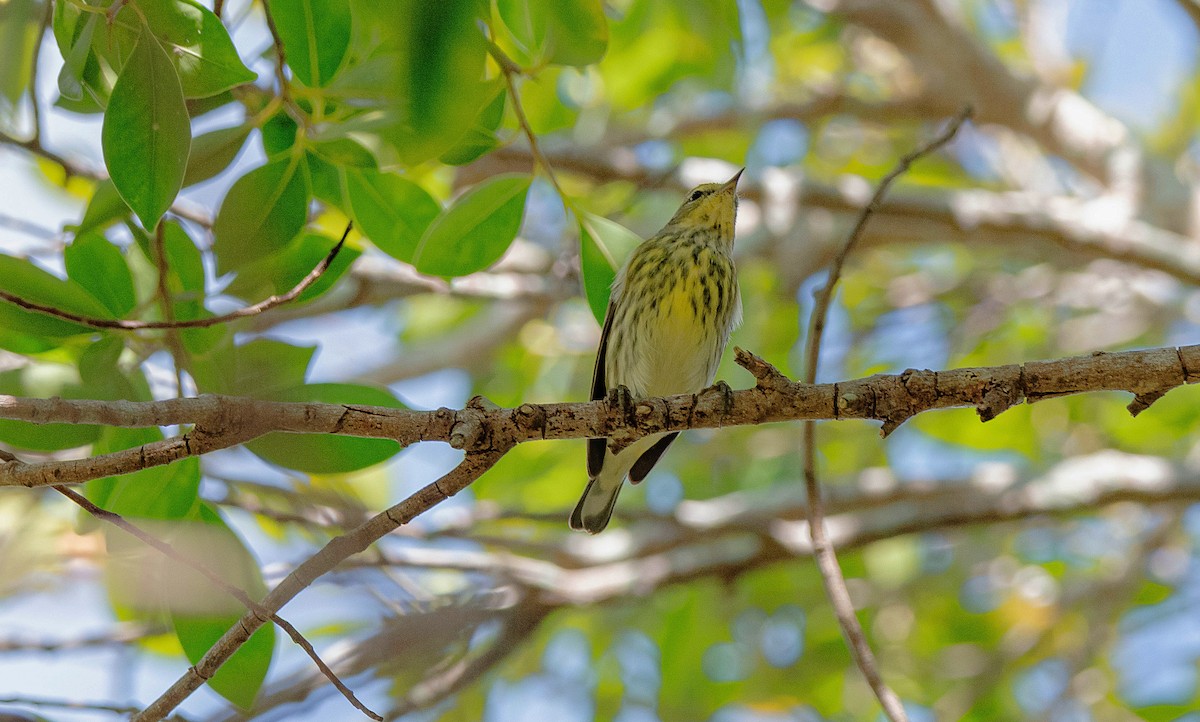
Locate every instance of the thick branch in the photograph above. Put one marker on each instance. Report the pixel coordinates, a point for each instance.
(889, 398)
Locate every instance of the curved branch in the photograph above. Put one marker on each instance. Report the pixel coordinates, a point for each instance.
(170, 323)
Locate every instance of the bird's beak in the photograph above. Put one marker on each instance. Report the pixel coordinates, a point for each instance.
(731, 184)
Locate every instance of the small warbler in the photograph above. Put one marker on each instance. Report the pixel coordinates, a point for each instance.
(673, 305)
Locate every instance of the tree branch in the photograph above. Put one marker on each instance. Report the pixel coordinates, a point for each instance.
(826, 558)
(332, 554)
(890, 398)
(169, 322)
(236, 592)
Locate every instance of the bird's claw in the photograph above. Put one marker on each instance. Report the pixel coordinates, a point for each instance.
(726, 393)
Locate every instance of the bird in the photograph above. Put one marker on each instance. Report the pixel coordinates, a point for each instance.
(673, 306)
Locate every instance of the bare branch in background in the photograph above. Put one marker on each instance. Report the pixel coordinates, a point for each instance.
(827, 563)
(332, 554)
(236, 592)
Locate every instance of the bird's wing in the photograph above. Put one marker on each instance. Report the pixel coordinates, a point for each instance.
(596, 447)
(646, 461)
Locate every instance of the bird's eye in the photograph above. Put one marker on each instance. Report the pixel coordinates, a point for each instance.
(695, 196)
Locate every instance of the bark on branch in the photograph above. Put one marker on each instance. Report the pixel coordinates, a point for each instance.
(222, 421)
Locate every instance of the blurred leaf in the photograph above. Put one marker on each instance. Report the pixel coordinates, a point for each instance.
(315, 36)
(604, 246)
(567, 32)
(475, 232)
(426, 76)
(390, 210)
(75, 39)
(481, 137)
(212, 152)
(147, 133)
(184, 261)
(261, 214)
(280, 272)
(31, 283)
(44, 381)
(1010, 431)
(278, 134)
(258, 368)
(344, 152)
(241, 676)
(171, 491)
(99, 267)
(20, 21)
(105, 207)
(327, 453)
(145, 584)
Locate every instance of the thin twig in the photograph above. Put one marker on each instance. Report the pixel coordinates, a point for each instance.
(34, 145)
(29, 228)
(444, 683)
(510, 70)
(285, 87)
(337, 550)
(67, 704)
(236, 592)
(126, 325)
(823, 551)
(178, 352)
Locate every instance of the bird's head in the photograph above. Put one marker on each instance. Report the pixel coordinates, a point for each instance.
(710, 205)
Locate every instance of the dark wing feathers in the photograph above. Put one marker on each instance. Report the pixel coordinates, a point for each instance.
(595, 448)
(646, 461)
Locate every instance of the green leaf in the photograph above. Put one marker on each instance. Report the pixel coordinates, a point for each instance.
(473, 233)
(240, 678)
(147, 132)
(327, 453)
(392, 211)
(576, 32)
(20, 21)
(184, 261)
(426, 77)
(44, 380)
(196, 40)
(564, 32)
(280, 272)
(213, 152)
(105, 208)
(263, 211)
(257, 368)
(70, 77)
(198, 628)
(315, 36)
(143, 583)
(604, 244)
(31, 283)
(278, 134)
(99, 266)
(481, 137)
(158, 492)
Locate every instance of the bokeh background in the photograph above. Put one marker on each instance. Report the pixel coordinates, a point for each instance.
(1041, 566)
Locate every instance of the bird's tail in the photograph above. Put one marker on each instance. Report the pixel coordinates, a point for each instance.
(595, 507)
